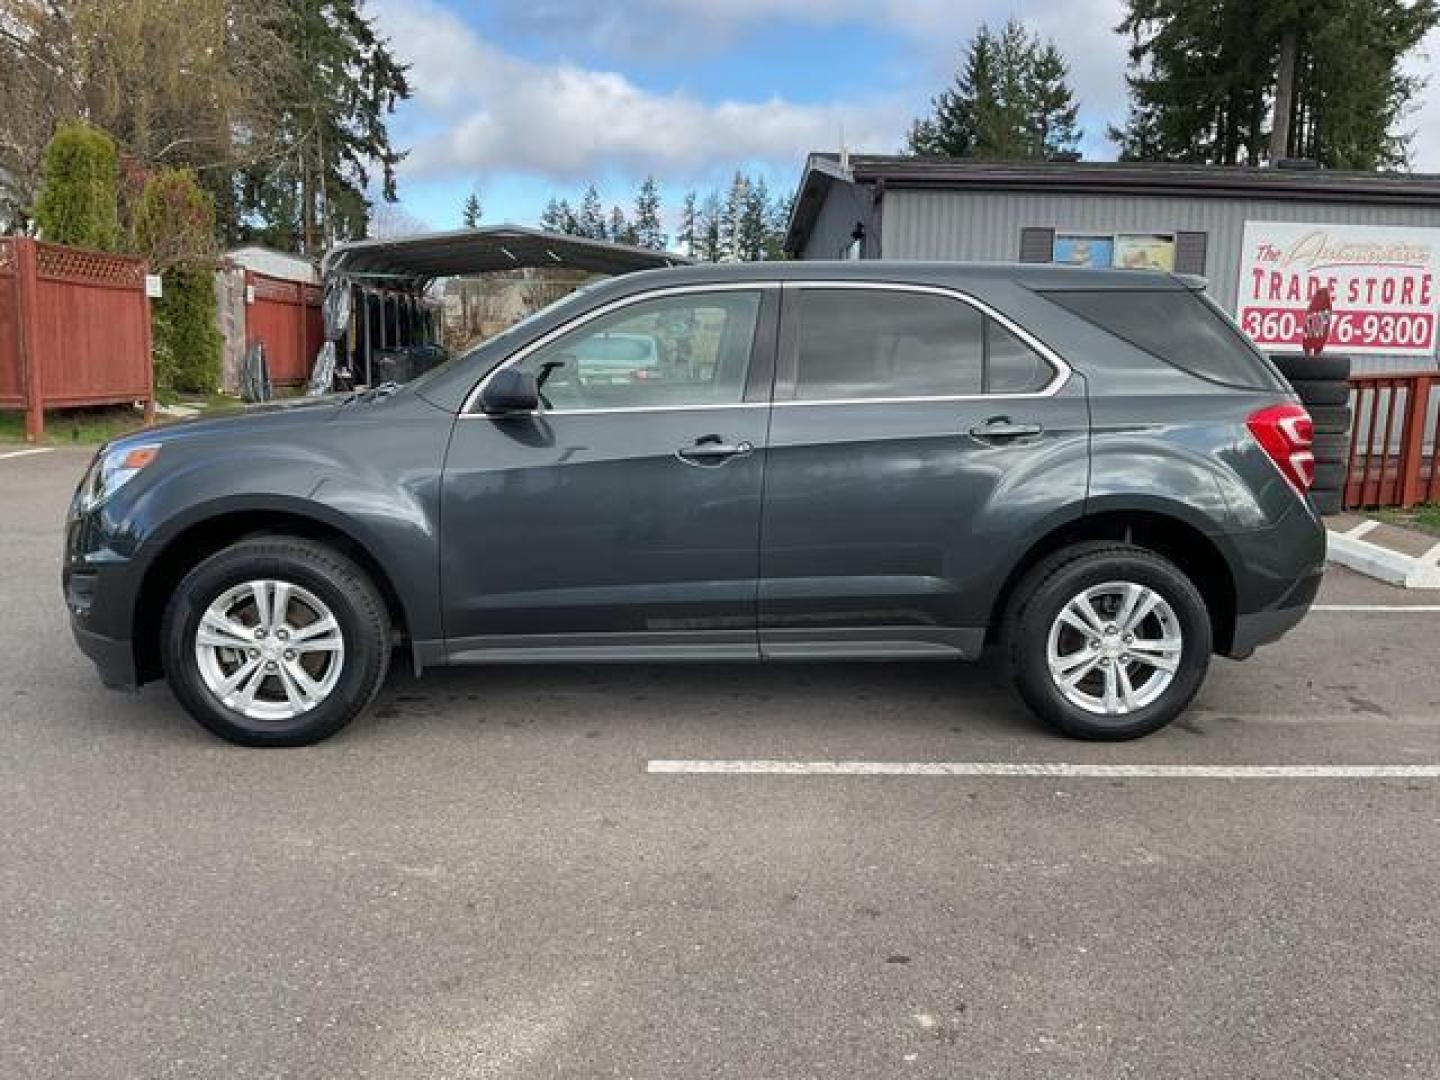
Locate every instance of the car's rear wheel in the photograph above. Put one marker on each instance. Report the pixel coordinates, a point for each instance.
(1107, 641)
(276, 642)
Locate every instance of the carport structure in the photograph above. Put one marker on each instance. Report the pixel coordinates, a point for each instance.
(388, 279)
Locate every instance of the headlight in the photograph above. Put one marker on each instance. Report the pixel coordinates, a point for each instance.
(110, 471)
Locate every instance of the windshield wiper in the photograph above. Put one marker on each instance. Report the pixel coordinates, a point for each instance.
(382, 390)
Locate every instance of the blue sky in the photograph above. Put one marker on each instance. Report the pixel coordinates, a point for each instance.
(520, 100)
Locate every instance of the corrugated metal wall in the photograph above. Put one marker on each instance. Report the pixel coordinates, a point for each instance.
(844, 206)
(985, 226)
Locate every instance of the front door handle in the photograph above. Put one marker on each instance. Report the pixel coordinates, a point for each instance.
(999, 429)
(710, 450)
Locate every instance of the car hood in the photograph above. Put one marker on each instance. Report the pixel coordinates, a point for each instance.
(241, 421)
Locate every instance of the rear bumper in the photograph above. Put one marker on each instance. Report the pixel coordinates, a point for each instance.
(1277, 574)
(1262, 627)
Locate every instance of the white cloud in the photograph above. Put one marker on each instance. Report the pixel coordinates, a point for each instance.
(484, 109)
(939, 29)
(1423, 121)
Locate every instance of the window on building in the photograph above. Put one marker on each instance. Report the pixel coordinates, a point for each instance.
(1180, 252)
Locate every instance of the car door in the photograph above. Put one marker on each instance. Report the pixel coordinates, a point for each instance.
(621, 520)
(919, 443)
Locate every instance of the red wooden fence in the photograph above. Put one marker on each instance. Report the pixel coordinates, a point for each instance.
(74, 330)
(286, 316)
(1394, 451)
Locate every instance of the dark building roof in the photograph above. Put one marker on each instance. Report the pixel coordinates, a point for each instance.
(1292, 184)
(419, 259)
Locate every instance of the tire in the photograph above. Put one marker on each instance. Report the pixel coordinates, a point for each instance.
(344, 666)
(1312, 367)
(1329, 475)
(1331, 446)
(1330, 419)
(1322, 391)
(1327, 502)
(1033, 617)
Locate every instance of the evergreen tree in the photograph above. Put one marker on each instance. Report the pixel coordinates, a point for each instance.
(708, 245)
(335, 93)
(470, 216)
(590, 219)
(687, 237)
(648, 231)
(732, 218)
(1011, 99)
(1207, 76)
(558, 217)
(621, 231)
(777, 224)
(79, 197)
(754, 211)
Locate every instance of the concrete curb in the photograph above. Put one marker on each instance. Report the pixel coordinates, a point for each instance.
(1392, 567)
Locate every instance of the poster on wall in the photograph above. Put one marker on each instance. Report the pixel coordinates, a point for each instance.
(1381, 282)
(1145, 251)
(1082, 249)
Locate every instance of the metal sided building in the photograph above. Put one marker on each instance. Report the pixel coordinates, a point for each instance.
(1215, 222)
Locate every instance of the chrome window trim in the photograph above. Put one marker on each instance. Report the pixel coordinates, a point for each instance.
(467, 411)
(1062, 369)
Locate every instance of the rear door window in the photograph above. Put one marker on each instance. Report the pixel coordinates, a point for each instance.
(874, 343)
(1177, 326)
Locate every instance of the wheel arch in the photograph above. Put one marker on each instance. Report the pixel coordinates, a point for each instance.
(203, 534)
(1166, 529)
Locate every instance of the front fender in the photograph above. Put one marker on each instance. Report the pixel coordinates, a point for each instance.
(391, 511)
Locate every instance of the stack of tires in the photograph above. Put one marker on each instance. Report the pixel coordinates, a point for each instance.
(1323, 383)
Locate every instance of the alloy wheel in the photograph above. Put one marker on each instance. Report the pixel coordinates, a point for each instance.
(1115, 648)
(270, 650)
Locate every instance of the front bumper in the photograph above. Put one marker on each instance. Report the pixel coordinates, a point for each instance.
(114, 658)
(99, 586)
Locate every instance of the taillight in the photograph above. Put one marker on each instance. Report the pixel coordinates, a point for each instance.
(1285, 433)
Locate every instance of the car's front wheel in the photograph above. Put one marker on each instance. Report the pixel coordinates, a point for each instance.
(1107, 641)
(276, 641)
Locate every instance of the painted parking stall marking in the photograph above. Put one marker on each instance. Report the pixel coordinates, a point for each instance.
(25, 453)
(1042, 769)
(1375, 609)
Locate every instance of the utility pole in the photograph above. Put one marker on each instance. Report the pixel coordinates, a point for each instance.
(1284, 96)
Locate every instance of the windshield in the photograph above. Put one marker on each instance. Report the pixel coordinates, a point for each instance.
(509, 332)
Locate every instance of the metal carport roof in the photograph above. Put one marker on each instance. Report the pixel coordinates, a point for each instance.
(417, 260)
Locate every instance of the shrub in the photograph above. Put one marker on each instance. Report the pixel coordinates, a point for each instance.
(174, 228)
(188, 345)
(78, 202)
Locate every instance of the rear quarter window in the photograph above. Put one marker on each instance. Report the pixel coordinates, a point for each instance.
(1177, 326)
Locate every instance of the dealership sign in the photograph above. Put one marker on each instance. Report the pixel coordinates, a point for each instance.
(1380, 284)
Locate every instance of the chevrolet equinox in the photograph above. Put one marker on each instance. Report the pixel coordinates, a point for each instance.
(1093, 472)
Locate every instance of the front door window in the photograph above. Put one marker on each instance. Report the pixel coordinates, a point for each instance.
(676, 351)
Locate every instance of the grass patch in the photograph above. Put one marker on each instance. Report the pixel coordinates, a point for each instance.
(91, 427)
(1425, 517)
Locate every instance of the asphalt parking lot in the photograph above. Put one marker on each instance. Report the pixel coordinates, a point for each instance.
(485, 877)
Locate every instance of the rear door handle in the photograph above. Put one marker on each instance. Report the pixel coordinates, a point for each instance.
(712, 450)
(1002, 429)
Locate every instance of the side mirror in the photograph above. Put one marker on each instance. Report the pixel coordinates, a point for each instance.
(510, 391)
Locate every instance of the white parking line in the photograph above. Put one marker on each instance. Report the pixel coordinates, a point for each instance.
(1049, 769)
(26, 453)
(1376, 609)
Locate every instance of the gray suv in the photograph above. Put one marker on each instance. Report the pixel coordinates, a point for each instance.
(1091, 471)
